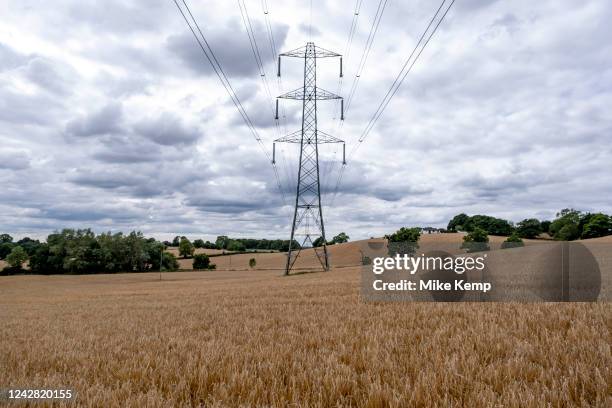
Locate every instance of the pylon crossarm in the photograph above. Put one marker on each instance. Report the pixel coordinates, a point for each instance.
(323, 53)
(323, 137)
(294, 137)
(316, 52)
(319, 94)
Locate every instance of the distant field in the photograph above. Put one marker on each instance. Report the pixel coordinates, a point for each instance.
(254, 338)
(340, 255)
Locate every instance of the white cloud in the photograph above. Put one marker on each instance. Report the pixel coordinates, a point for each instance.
(110, 116)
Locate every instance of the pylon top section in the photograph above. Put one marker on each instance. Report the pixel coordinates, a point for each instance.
(314, 93)
(310, 50)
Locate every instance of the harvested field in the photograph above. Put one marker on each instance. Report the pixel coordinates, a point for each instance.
(253, 338)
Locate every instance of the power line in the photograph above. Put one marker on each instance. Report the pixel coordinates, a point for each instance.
(310, 25)
(366, 51)
(405, 71)
(212, 59)
(347, 49)
(279, 83)
(257, 55)
(346, 56)
(401, 76)
(364, 57)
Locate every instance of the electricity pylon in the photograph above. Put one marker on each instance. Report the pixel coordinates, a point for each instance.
(308, 213)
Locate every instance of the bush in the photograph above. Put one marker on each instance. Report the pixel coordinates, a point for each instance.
(169, 261)
(513, 241)
(252, 263)
(201, 261)
(476, 240)
(9, 270)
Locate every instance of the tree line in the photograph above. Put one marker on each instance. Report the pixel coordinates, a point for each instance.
(568, 225)
(81, 251)
(224, 242)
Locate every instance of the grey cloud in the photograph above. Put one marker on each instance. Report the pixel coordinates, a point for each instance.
(229, 195)
(167, 129)
(108, 179)
(308, 29)
(130, 149)
(87, 214)
(106, 120)
(37, 109)
(231, 47)
(50, 76)
(9, 58)
(504, 185)
(14, 160)
(136, 182)
(118, 16)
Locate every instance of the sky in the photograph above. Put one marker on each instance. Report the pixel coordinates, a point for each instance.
(111, 117)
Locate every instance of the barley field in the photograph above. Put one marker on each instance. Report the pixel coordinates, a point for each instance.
(242, 338)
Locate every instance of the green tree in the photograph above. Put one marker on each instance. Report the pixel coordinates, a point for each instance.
(198, 243)
(319, 242)
(341, 238)
(513, 241)
(176, 241)
(252, 263)
(30, 245)
(5, 239)
(476, 240)
(17, 257)
(222, 241)
(458, 222)
(201, 261)
(186, 248)
(529, 228)
(403, 241)
(492, 225)
(566, 226)
(235, 246)
(568, 232)
(39, 261)
(599, 225)
(5, 249)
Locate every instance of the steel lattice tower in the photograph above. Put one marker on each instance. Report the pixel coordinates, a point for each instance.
(308, 212)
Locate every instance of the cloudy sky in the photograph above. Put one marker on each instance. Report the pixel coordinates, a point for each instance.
(111, 118)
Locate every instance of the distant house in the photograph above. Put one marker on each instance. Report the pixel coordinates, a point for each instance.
(432, 230)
